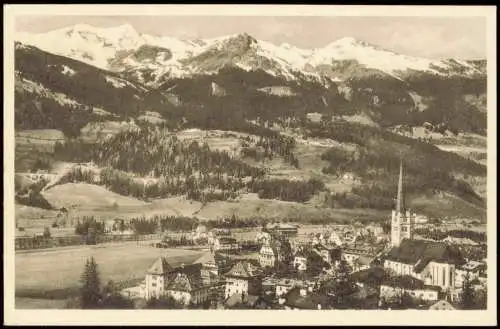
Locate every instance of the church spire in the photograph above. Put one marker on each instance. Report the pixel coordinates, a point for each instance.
(400, 205)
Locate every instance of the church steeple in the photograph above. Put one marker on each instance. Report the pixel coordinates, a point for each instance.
(402, 221)
(400, 203)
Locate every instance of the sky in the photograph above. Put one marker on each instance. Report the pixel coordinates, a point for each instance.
(431, 37)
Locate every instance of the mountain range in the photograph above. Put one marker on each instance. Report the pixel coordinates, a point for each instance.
(152, 59)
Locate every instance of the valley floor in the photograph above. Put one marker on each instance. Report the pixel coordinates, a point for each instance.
(46, 278)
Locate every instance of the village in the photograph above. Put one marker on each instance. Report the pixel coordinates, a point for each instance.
(341, 267)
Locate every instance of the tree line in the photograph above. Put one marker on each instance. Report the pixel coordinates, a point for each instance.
(437, 234)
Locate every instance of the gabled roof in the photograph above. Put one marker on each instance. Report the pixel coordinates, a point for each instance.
(160, 267)
(421, 252)
(364, 260)
(212, 258)
(243, 269)
(185, 282)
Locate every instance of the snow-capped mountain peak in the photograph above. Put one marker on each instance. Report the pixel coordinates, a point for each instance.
(122, 48)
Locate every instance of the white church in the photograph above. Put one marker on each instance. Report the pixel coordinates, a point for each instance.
(432, 262)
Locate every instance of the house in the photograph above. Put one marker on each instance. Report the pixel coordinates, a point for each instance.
(397, 285)
(328, 254)
(430, 261)
(188, 288)
(263, 237)
(351, 254)
(225, 244)
(277, 90)
(362, 263)
(200, 233)
(284, 285)
(269, 255)
(274, 252)
(243, 277)
(243, 301)
(284, 230)
(314, 116)
(300, 260)
(160, 274)
(305, 259)
(473, 268)
(213, 266)
(459, 241)
(335, 239)
(304, 299)
(320, 238)
(216, 233)
(442, 305)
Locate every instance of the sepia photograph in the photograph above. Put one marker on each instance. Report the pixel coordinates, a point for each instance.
(184, 159)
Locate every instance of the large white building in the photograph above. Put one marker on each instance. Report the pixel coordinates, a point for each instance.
(183, 283)
(432, 262)
(243, 278)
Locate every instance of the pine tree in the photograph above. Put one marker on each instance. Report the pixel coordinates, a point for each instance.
(90, 292)
(343, 285)
(467, 298)
(111, 298)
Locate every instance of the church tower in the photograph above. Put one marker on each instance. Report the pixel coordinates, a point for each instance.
(402, 220)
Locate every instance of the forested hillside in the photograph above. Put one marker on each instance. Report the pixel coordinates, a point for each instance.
(57, 92)
(149, 161)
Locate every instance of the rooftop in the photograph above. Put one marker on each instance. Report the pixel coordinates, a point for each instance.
(473, 265)
(407, 282)
(308, 302)
(244, 269)
(239, 299)
(212, 258)
(421, 252)
(226, 240)
(160, 267)
(185, 282)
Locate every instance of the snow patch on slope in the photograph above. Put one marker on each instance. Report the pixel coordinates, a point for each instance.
(37, 88)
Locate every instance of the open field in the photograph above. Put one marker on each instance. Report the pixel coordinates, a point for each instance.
(39, 136)
(250, 207)
(447, 205)
(95, 131)
(55, 273)
(33, 144)
(39, 303)
(80, 195)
